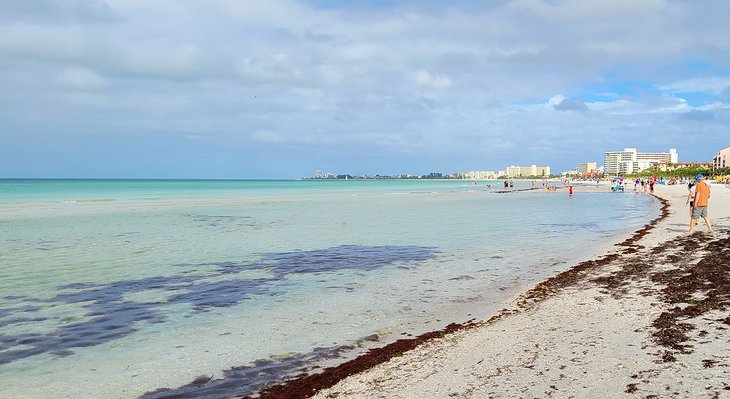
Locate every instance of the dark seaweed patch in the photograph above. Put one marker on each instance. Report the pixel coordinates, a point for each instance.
(697, 283)
(223, 221)
(343, 257)
(240, 381)
(110, 316)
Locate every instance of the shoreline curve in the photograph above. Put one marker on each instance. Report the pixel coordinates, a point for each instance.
(305, 386)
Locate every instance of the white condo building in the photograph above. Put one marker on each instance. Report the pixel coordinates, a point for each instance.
(532, 170)
(480, 175)
(630, 161)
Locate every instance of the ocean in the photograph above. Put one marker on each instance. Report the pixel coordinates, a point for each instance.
(137, 288)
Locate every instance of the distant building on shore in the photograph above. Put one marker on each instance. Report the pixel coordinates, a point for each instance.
(480, 175)
(668, 167)
(630, 161)
(532, 170)
(586, 168)
(722, 159)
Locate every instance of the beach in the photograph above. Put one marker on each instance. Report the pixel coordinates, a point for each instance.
(186, 288)
(649, 318)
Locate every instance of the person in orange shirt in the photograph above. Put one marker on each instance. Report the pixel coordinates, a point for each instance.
(702, 197)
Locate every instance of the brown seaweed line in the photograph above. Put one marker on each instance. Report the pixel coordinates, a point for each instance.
(306, 386)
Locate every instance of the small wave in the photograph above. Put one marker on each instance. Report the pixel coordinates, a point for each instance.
(97, 200)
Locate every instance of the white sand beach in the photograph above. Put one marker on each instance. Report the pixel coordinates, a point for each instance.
(647, 323)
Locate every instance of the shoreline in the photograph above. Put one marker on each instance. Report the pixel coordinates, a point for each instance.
(652, 321)
(239, 379)
(307, 385)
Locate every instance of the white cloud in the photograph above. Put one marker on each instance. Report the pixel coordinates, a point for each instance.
(67, 11)
(555, 100)
(697, 115)
(564, 10)
(81, 78)
(725, 95)
(331, 75)
(644, 105)
(159, 58)
(53, 43)
(710, 84)
(358, 52)
(266, 136)
(426, 79)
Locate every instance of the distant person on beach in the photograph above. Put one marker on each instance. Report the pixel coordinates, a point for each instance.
(506, 184)
(702, 198)
(691, 199)
(570, 188)
(651, 186)
(511, 183)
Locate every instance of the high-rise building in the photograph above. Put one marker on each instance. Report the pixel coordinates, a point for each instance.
(630, 161)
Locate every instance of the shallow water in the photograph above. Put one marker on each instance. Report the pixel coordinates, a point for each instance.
(114, 288)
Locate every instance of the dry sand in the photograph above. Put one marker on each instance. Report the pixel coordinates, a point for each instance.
(650, 319)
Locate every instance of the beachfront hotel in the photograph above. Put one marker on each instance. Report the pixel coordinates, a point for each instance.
(630, 161)
(588, 167)
(532, 170)
(722, 159)
(480, 175)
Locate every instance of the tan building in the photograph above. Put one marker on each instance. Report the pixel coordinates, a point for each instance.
(532, 170)
(588, 167)
(668, 167)
(722, 159)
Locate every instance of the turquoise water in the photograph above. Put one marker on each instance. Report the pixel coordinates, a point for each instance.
(115, 288)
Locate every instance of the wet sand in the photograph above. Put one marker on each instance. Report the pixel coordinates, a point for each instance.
(650, 318)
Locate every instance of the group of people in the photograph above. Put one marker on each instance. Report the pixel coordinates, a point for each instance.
(647, 186)
(698, 199)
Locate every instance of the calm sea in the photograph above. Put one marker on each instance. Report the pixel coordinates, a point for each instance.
(120, 288)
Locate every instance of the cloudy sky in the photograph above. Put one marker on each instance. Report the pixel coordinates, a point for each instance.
(281, 88)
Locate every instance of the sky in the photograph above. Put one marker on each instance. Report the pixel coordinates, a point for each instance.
(282, 88)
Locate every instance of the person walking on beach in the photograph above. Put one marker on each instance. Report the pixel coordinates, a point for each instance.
(702, 197)
(691, 199)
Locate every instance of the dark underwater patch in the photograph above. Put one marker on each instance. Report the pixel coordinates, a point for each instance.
(242, 380)
(110, 315)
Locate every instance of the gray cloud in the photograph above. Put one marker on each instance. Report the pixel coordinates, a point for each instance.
(725, 95)
(697, 115)
(569, 104)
